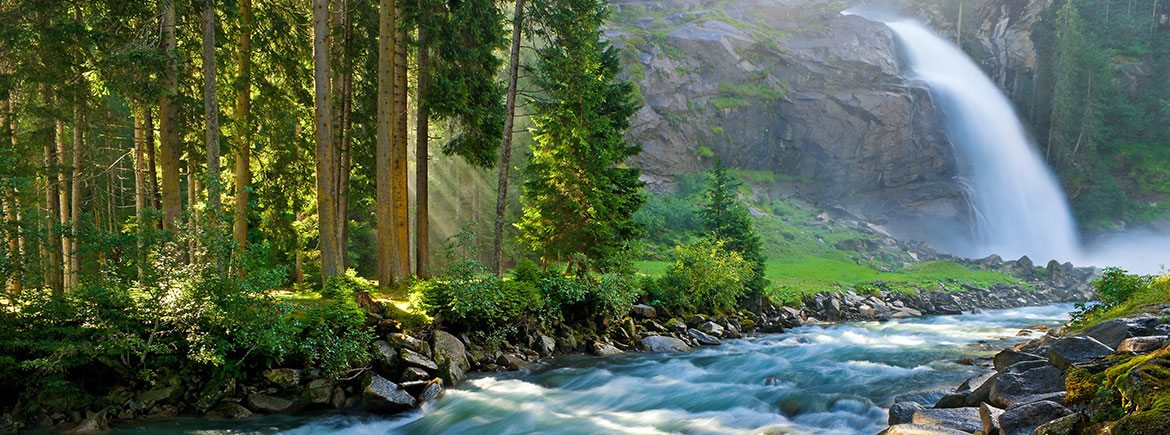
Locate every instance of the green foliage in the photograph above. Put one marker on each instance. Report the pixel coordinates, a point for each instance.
(345, 286)
(705, 276)
(726, 219)
(612, 295)
(1121, 294)
(1115, 286)
(467, 296)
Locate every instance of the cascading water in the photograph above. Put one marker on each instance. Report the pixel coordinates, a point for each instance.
(1020, 207)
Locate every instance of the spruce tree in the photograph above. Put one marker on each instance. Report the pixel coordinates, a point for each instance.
(579, 196)
(727, 219)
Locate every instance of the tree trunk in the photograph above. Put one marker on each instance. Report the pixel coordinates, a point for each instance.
(151, 162)
(64, 207)
(342, 88)
(299, 263)
(326, 155)
(52, 249)
(75, 198)
(140, 190)
(21, 241)
(422, 248)
(383, 209)
(194, 187)
(168, 122)
(243, 173)
(12, 200)
(506, 151)
(401, 198)
(211, 110)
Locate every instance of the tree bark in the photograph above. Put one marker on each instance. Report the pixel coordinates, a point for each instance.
(21, 241)
(168, 123)
(52, 249)
(12, 199)
(75, 197)
(506, 151)
(194, 187)
(327, 166)
(399, 162)
(342, 88)
(140, 190)
(151, 161)
(64, 207)
(422, 251)
(211, 109)
(383, 209)
(243, 172)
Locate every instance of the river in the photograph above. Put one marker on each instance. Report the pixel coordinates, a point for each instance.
(832, 379)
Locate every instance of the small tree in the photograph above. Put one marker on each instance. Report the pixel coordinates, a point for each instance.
(727, 220)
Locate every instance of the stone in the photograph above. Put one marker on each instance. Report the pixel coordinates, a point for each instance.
(963, 419)
(283, 378)
(924, 398)
(1024, 420)
(380, 396)
(385, 356)
(989, 416)
(318, 392)
(644, 311)
(214, 391)
(1112, 332)
(511, 362)
(229, 411)
(920, 429)
(412, 343)
(674, 324)
(660, 343)
(432, 391)
(903, 412)
(1066, 425)
(268, 404)
(95, 422)
(1008, 357)
(1067, 351)
(149, 398)
(339, 400)
(1142, 344)
(415, 359)
(605, 349)
(451, 355)
(702, 338)
(1013, 389)
(548, 345)
(415, 374)
(980, 389)
(957, 399)
(712, 328)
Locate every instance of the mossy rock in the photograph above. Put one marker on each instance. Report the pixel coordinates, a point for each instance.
(1143, 423)
(1082, 385)
(1147, 385)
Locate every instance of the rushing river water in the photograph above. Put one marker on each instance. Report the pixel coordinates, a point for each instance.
(814, 379)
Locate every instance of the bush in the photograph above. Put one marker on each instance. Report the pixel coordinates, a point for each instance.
(335, 337)
(347, 285)
(704, 277)
(612, 295)
(1115, 286)
(466, 295)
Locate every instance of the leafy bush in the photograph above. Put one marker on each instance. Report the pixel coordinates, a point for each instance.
(612, 295)
(703, 277)
(335, 337)
(467, 295)
(1115, 286)
(347, 285)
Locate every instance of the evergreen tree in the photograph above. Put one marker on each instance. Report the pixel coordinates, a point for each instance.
(579, 196)
(727, 220)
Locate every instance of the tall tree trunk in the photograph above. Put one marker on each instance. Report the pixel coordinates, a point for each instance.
(21, 241)
(151, 161)
(506, 152)
(326, 154)
(194, 187)
(52, 250)
(342, 90)
(211, 109)
(168, 123)
(383, 209)
(75, 197)
(64, 207)
(299, 263)
(12, 199)
(398, 156)
(243, 173)
(140, 190)
(422, 248)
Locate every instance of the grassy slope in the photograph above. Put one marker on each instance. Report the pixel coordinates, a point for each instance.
(1146, 301)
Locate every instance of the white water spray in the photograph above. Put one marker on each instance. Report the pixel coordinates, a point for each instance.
(1021, 208)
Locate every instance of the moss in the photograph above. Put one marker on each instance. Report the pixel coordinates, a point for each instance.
(1143, 423)
(1082, 385)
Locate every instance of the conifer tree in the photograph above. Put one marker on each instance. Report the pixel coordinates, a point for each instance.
(728, 220)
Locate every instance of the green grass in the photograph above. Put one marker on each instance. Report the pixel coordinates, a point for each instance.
(1148, 300)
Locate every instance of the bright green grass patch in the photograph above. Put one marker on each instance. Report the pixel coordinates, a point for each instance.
(1145, 301)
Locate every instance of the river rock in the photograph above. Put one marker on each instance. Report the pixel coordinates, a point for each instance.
(415, 359)
(1112, 332)
(380, 396)
(980, 389)
(548, 345)
(702, 338)
(712, 328)
(283, 378)
(1071, 350)
(432, 391)
(95, 422)
(964, 419)
(215, 390)
(676, 324)
(920, 429)
(1008, 357)
(903, 412)
(1024, 420)
(644, 311)
(165, 394)
(229, 411)
(451, 355)
(511, 362)
(605, 349)
(318, 392)
(660, 343)
(385, 356)
(1066, 425)
(989, 416)
(1142, 344)
(409, 342)
(268, 404)
(1012, 389)
(924, 398)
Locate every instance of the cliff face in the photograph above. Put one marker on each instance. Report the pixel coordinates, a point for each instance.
(796, 89)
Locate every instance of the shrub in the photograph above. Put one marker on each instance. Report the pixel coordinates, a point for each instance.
(467, 296)
(346, 286)
(612, 295)
(1115, 286)
(703, 277)
(335, 337)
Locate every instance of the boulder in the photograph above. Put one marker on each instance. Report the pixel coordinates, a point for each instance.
(415, 359)
(963, 419)
(644, 311)
(548, 345)
(674, 324)
(385, 356)
(1008, 357)
(605, 349)
(318, 392)
(95, 422)
(511, 362)
(920, 429)
(659, 343)
(989, 416)
(924, 398)
(380, 396)
(980, 389)
(432, 391)
(415, 374)
(268, 404)
(1142, 344)
(956, 399)
(1012, 389)
(409, 342)
(712, 328)
(1024, 420)
(1113, 332)
(283, 378)
(702, 338)
(903, 412)
(1072, 350)
(451, 355)
(229, 411)
(159, 395)
(215, 390)
(1066, 425)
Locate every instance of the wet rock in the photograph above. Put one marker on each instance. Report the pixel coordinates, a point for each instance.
(415, 359)
(229, 411)
(1008, 357)
(901, 413)
(432, 391)
(963, 419)
(1066, 425)
(547, 345)
(953, 400)
(268, 404)
(318, 392)
(1024, 420)
(149, 398)
(920, 429)
(674, 324)
(409, 342)
(511, 362)
(283, 378)
(214, 391)
(924, 398)
(1071, 350)
(1012, 389)
(980, 389)
(380, 396)
(1112, 332)
(415, 374)
(659, 343)
(1142, 344)
(605, 349)
(712, 328)
(644, 311)
(451, 355)
(989, 416)
(95, 422)
(702, 338)
(385, 356)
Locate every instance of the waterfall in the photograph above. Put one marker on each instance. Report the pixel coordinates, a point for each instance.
(1020, 205)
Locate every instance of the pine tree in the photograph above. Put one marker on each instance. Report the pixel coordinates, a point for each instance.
(579, 196)
(728, 220)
